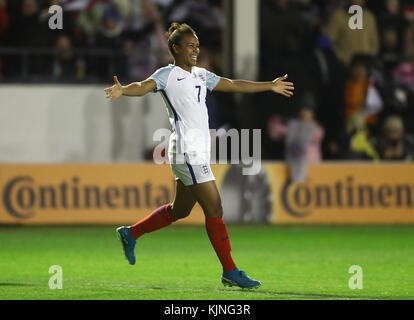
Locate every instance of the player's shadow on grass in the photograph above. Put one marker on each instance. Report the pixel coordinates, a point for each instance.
(299, 295)
(259, 291)
(15, 284)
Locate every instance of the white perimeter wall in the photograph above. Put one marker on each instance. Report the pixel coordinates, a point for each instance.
(68, 123)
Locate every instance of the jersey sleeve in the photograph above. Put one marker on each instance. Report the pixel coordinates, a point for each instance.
(160, 77)
(211, 80)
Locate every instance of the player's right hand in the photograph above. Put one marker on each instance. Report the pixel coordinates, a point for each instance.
(115, 91)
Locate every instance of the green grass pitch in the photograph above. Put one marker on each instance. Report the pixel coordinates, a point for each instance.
(293, 262)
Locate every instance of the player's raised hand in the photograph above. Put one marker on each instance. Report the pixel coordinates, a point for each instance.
(282, 87)
(115, 91)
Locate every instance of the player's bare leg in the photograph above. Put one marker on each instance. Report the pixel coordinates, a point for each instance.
(159, 218)
(183, 202)
(208, 196)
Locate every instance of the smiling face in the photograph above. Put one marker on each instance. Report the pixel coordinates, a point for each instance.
(187, 51)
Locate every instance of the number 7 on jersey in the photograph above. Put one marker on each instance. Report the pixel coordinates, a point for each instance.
(199, 90)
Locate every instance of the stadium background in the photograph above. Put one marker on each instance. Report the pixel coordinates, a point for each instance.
(58, 132)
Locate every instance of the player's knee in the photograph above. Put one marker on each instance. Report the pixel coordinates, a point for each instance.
(183, 215)
(180, 214)
(215, 210)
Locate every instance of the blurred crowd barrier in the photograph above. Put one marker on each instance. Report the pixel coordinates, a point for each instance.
(124, 193)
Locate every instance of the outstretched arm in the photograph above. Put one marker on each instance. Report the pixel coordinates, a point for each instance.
(134, 89)
(244, 86)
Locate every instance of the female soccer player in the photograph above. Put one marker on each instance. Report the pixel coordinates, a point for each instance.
(183, 87)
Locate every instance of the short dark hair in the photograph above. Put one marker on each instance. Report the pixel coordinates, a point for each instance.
(176, 32)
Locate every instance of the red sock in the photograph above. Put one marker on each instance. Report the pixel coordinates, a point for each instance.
(158, 219)
(219, 238)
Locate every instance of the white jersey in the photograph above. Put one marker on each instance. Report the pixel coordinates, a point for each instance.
(184, 94)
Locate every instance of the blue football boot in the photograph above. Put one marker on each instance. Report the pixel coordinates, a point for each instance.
(128, 243)
(239, 278)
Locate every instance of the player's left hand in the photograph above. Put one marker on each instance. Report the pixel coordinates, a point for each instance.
(282, 87)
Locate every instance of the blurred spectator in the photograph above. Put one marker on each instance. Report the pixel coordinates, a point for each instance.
(277, 130)
(109, 36)
(303, 144)
(358, 145)
(204, 16)
(145, 43)
(110, 30)
(159, 45)
(90, 18)
(404, 74)
(356, 88)
(394, 143)
(398, 99)
(66, 65)
(361, 96)
(391, 17)
(278, 17)
(329, 78)
(400, 94)
(348, 42)
(303, 138)
(390, 54)
(26, 29)
(89, 21)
